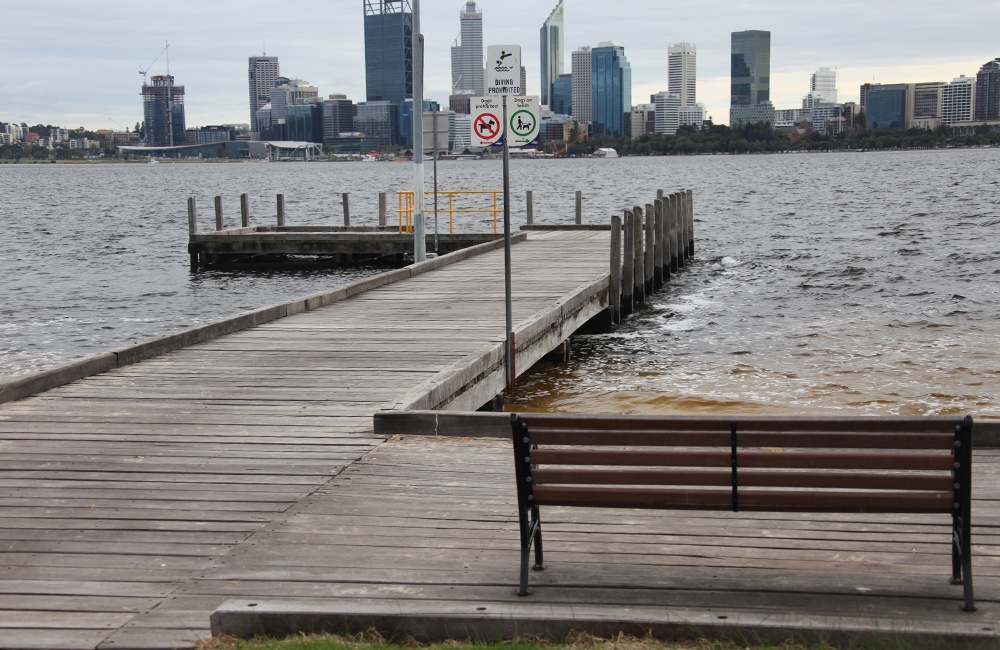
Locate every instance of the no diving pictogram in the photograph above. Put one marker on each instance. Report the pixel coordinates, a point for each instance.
(487, 126)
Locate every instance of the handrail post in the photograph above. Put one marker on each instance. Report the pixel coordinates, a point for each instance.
(218, 213)
(579, 207)
(281, 210)
(530, 207)
(245, 210)
(347, 209)
(382, 209)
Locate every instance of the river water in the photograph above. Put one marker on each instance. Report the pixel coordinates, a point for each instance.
(859, 283)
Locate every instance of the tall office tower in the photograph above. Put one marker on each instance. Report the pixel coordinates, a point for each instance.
(338, 116)
(467, 53)
(581, 62)
(750, 81)
(611, 89)
(668, 112)
(988, 91)
(562, 95)
(885, 105)
(552, 51)
(823, 86)
(923, 106)
(163, 110)
(263, 73)
(388, 50)
(958, 100)
(682, 68)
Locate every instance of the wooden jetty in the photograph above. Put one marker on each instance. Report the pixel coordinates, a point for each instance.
(145, 488)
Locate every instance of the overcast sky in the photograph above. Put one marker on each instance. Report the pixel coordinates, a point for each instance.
(72, 63)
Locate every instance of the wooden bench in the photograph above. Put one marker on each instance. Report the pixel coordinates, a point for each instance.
(773, 464)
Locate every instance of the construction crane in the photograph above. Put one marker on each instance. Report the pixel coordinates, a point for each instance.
(148, 67)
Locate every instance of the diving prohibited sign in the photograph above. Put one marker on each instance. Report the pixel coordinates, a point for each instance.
(503, 70)
(487, 126)
(522, 124)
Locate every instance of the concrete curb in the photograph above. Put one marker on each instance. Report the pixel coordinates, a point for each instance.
(493, 622)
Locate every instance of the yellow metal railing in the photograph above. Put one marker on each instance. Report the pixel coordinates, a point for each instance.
(405, 209)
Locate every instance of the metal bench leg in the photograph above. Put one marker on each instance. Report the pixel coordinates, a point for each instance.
(533, 534)
(539, 566)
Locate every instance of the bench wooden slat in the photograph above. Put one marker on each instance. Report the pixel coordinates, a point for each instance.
(785, 439)
(749, 478)
(750, 499)
(870, 424)
(748, 459)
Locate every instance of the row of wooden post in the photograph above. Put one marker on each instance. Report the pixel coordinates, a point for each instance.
(647, 247)
(529, 206)
(245, 211)
(345, 200)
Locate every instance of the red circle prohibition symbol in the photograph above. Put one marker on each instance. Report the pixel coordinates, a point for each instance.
(487, 126)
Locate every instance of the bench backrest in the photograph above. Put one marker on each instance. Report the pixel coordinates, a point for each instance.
(853, 464)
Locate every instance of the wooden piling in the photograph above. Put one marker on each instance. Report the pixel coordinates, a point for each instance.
(682, 243)
(382, 209)
(529, 203)
(638, 261)
(579, 207)
(192, 228)
(219, 225)
(649, 258)
(347, 208)
(628, 266)
(245, 210)
(281, 210)
(615, 285)
(662, 205)
(192, 216)
(657, 245)
(690, 204)
(672, 212)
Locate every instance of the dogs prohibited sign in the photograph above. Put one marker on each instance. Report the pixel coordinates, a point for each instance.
(523, 121)
(487, 126)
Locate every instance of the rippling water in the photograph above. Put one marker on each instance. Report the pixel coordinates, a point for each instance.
(865, 283)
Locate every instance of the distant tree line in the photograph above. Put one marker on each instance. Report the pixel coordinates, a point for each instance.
(762, 138)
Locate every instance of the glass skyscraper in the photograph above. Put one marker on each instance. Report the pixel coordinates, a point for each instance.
(611, 84)
(551, 51)
(263, 72)
(163, 111)
(388, 50)
(750, 80)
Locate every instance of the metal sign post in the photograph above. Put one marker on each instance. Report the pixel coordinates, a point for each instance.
(503, 77)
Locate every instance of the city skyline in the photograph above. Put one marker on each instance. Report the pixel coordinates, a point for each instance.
(87, 75)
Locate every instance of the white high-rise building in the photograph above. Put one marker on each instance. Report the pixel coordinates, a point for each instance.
(551, 51)
(467, 73)
(822, 88)
(581, 62)
(668, 112)
(682, 68)
(693, 115)
(958, 100)
(263, 73)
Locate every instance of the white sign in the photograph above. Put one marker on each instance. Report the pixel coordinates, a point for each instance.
(523, 117)
(503, 70)
(436, 128)
(487, 121)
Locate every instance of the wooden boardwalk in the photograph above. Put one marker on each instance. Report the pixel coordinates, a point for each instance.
(135, 502)
(121, 488)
